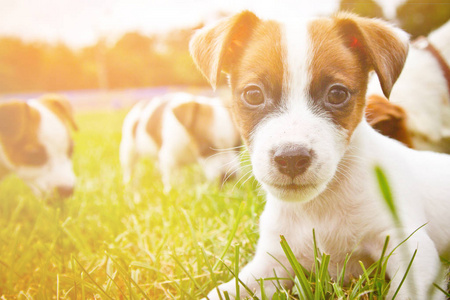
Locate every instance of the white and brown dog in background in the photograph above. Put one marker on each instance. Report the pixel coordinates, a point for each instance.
(418, 111)
(36, 144)
(299, 90)
(178, 129)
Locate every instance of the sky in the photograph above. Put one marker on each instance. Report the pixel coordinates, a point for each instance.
(79, 23)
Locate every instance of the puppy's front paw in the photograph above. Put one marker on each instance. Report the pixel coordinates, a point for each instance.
(230, 289)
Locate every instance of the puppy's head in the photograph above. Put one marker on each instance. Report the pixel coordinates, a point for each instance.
(35, 143)
(388, 119)
(213, 134)
(299, 89)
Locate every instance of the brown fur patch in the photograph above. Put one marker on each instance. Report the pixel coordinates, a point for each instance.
(377, 45)
(197, 118)
(154, 123)
(260, 64)
(134, 129)
(19, 124)
(334, 63)
(388, 119)
(345, 49)
(219, 48)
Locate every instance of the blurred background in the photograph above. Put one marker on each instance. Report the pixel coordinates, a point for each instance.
(111, 53)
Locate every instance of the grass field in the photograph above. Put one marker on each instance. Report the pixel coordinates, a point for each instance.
(111, 242)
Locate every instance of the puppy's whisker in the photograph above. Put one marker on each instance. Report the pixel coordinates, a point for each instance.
(228, 174)
(229, 148)
(246, 180)
(243, 176)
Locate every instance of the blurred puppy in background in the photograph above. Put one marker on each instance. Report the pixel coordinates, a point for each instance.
(418, 112)
(36, 144)
(179, 129)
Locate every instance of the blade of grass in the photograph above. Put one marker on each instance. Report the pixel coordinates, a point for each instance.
(211, 272)
(180, 264)
(406, 274)
(117, 286)
(240, 281)
(236, 271)
(127, 275)
(442, 290)
(194, 237)
(386, 191)
(232, 234)
(93, 281)
(304, 283)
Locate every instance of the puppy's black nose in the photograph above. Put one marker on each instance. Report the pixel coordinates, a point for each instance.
(293, 160)
(64, 191)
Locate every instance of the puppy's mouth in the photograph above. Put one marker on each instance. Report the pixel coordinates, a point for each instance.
(292, 186)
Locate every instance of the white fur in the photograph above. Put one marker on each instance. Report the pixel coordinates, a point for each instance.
(177, 147)
(421, 90)
(344, 204)
(57, 170)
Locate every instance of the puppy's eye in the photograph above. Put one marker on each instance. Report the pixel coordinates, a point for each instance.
(253, 95)
(34, 155)
(338, 95)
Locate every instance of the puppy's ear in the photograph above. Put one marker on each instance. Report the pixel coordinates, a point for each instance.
(388, 119)
(61, 107)
(383, 47)
(216, 48)
(13, 119)
(194, 116)
(379, 109)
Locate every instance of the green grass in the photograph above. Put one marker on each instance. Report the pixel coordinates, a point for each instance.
(112, 242)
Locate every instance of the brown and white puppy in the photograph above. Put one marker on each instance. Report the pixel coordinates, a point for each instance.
(179, 129)
(422, 91)
(36, 144)
(299, 89)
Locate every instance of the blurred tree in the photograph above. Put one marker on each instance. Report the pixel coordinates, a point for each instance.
(364, 8)
(420, 17)
(20, 65)
(135, 60)
(183, 67)
(62, 69)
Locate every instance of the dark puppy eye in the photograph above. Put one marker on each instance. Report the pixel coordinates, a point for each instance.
(338, 95)
(34, 155)
(253, 95)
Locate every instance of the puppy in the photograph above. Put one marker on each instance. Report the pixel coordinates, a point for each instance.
(36, 144)
(180, 129)
(388, 119)
(422, 91)
(299, 90)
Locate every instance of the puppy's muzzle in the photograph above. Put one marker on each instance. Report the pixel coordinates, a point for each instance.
(64, 191)
(293, 160)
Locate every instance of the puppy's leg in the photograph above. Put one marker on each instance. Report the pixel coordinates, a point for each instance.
(128, 159)
(424, 271)
(261, 267)
(169, 168)
(264, 265)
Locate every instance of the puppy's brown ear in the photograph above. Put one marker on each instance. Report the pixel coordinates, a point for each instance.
(379, 109)
(382, 47)
(194, 116)
(61, 107)
(388, 119)
(216, 48)
(13, 119)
